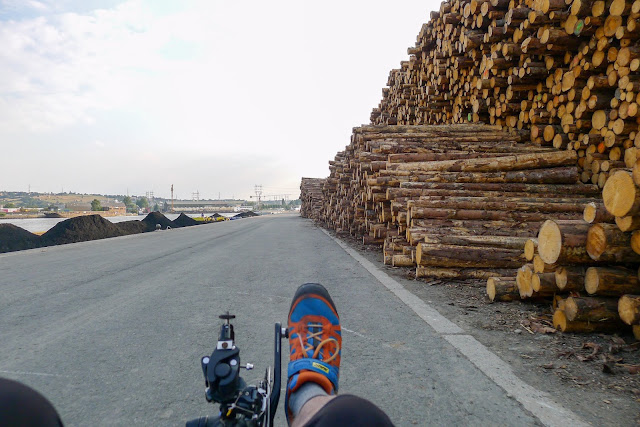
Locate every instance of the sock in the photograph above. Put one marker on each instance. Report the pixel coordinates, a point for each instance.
(302, 395)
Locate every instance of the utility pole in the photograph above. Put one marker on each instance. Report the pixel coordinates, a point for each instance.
(171, 198)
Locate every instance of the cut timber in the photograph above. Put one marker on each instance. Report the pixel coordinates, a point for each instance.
(628, 223)
(523, 281)
(561, 323)
(505, 187)
(596, 212)
(530, 246)
(543, 284)
(470, 214)
(459, 273)
(635, 241)
(591, 309)
(507, 242)
(496, 164)
(570, 279)
(611, 281)
(620, 194)
(502, 289)
(563, 175)
(555, 236)
(437, 255)
(402, 261)
(600, 237)
(629, 309)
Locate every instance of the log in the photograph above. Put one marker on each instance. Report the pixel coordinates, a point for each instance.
(611, 281)
(459, 273)
(437, 255)
(561, 323)
(620, 194)
(596, 212)
(570, 279)
(629, 309)
(502, 289)
(591, 309)
(601, 237)
(496, 164)
(543, 284)
(556, 237)
(562, 175)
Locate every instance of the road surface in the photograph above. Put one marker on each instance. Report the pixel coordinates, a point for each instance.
(112, 331)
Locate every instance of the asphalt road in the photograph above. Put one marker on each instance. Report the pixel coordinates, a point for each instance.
(112, 331)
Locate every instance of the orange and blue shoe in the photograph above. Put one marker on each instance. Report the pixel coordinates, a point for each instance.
(315, 339)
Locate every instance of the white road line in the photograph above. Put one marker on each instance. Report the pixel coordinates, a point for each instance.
(539, 403)
(353, 332)
(41, 374)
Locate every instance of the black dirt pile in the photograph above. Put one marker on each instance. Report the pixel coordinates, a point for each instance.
(157, 218)
(216, 216)
(14, 238)
(184, 221)
(132, 227)
(245, 214)
(80, 229)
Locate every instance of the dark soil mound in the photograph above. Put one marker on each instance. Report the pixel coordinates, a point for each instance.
(184, 221)
(14, 238)
(216, 215)
(80, 229)
(132, 227)
(245, 215)
(157, 218)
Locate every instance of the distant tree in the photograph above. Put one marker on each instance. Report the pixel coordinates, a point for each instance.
(96, 205)
(156, 208)
(127, 201)
(142, 202)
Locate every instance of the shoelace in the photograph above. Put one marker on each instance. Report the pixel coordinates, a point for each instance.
(316, 335)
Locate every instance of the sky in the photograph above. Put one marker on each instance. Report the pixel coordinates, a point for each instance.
(214, 97)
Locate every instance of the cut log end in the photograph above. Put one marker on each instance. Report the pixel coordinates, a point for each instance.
(549, 242)
(629, 309)
(530, 249)
(619, 193)
(590, 211)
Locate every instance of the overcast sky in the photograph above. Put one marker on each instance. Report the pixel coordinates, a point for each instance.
(211, 96)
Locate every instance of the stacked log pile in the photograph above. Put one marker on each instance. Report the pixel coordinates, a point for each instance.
(455, 201)
(464, 201)
(564, 70)
(311, 197)
(590, 267)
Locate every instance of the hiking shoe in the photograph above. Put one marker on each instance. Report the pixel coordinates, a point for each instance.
(315, 340)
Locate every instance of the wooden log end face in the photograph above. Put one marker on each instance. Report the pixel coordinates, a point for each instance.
(549, 242)
(591, 280)
(529, 249)
(491, 288)
(589, 213)
(619, 193)
(560, 320)
(561, 277)
(596, 241)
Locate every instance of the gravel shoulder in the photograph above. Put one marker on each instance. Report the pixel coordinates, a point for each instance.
(587, 373)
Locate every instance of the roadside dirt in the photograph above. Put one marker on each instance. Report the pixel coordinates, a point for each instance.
(597, 376)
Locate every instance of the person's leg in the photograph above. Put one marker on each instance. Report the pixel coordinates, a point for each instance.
(315, 340)
(343, 410)
(22, 406)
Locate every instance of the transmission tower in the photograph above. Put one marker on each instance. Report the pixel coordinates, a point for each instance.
(258, 190)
